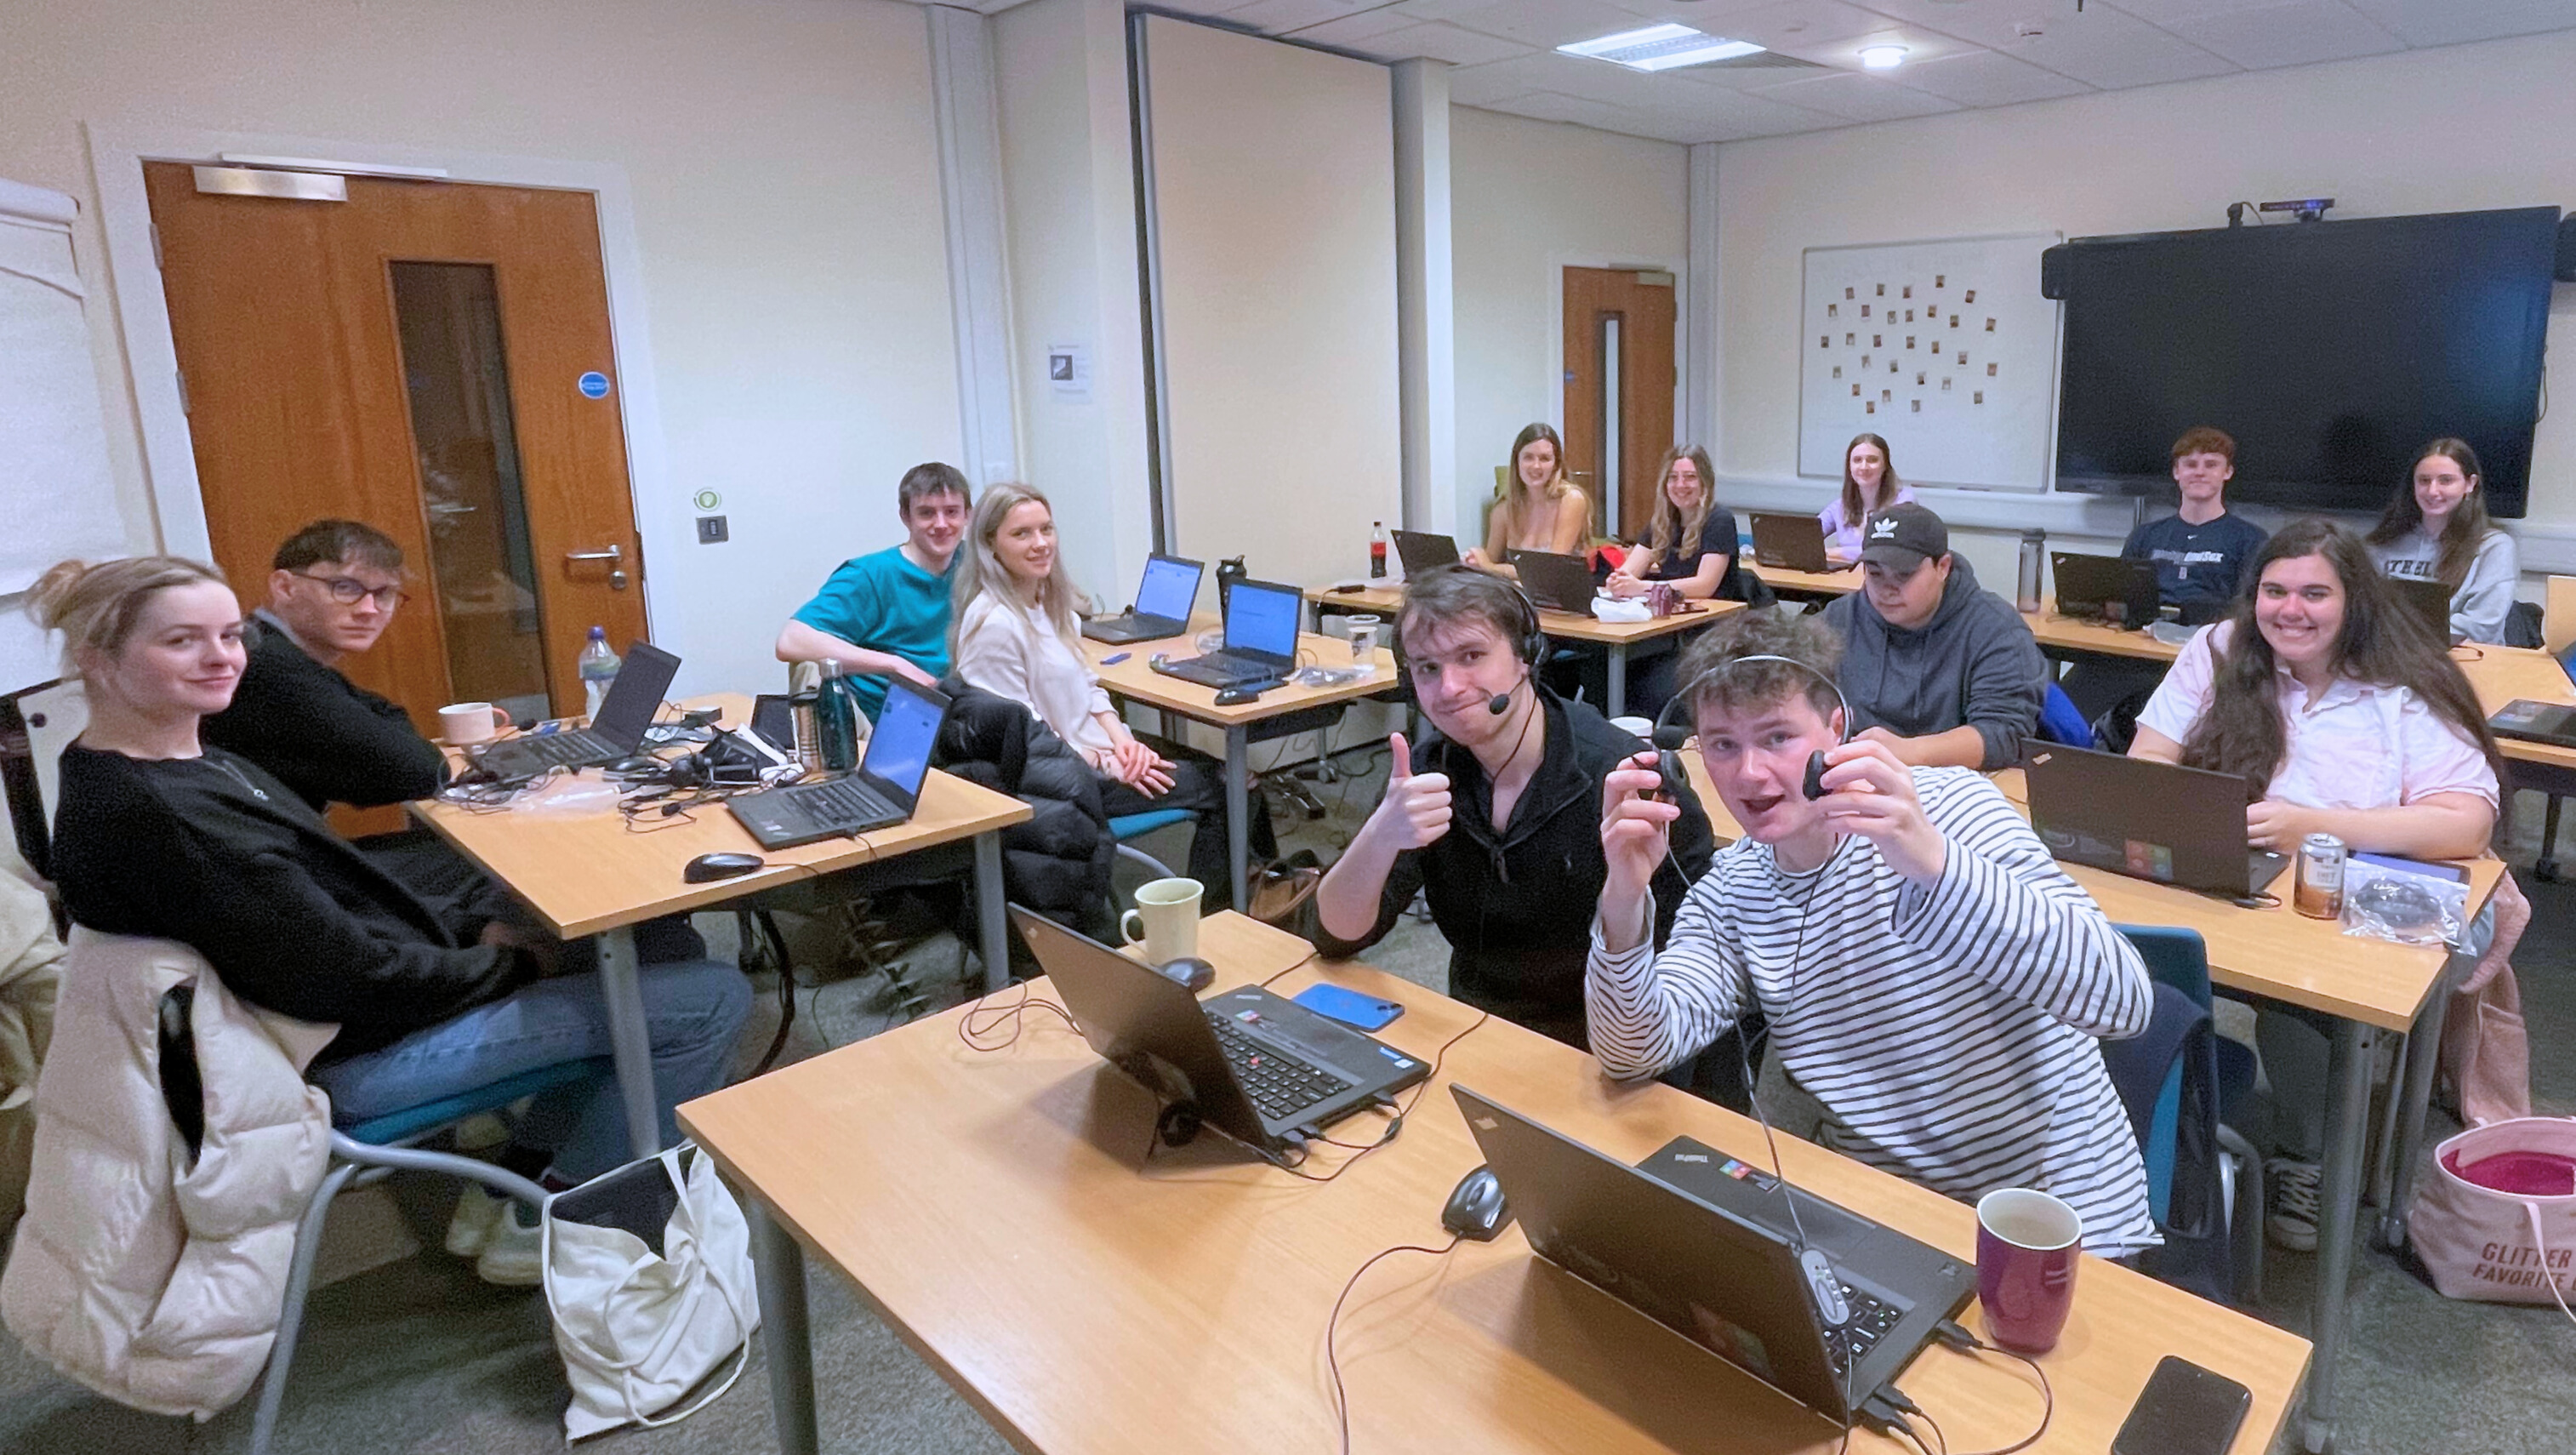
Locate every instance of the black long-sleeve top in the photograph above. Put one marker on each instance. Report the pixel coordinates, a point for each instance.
(216, 853)
(322, 735)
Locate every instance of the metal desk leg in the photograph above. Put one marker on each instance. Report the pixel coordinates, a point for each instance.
(1238, 813)
(628, 1039)
(2348, 1107)
(992, 928)
(2414, 1090)
(778, 1269)
(1618, 680)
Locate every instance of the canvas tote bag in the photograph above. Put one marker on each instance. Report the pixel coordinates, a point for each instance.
(640, 1325)
(2496, 1223)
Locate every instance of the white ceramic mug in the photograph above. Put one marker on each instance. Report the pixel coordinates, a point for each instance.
(472, 722)
(1166, 918)
(1635, 727)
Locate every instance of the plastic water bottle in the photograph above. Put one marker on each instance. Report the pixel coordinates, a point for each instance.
(598, 669)
(836, 720)
(1377, 550)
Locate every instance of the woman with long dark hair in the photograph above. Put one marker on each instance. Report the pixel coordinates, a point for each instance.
(1539, 509)
(2345, 717)
(2436, 529)
(1870, 485)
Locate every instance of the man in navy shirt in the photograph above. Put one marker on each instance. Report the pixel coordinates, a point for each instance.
(2201, 552)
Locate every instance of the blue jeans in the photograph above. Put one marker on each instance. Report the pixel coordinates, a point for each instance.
(693, 1011)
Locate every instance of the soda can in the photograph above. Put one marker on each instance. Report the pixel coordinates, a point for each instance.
(2320, 885)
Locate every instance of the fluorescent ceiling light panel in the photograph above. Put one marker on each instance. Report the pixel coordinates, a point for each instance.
(1882, 57)
(1660, 48)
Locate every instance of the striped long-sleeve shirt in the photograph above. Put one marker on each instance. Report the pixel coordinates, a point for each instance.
(1949, 1031)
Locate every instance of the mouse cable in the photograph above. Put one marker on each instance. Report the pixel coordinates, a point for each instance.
(1016, 1013)
(1332, 1324)
(1395, 1124)
(1956, 1335)
(1303, 961)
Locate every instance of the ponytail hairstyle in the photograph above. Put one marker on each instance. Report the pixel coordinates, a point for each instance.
(2380, 643)
(1855, 511)
(2468, 526)
(1672, 527)
(97, 607)
(980, 572)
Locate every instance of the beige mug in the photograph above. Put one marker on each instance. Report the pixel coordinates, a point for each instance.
(1166, 918)
(467, 723)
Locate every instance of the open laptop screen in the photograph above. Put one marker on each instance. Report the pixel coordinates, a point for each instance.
(643, 680)
(1169, 589)
(899, 751)
(1263, 618)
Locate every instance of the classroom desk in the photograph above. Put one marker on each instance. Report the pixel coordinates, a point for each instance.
(1563, 626)
(1808, 585)
(1181, 1306)
(1136, 680)
(589, 874)
(2077, 636)
(2367, 987)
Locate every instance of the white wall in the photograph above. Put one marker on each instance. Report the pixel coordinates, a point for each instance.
(1528, 198)
(783, 169)
(2466, 127)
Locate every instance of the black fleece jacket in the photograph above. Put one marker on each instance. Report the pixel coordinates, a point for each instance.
(322, 735)
(1517, 906)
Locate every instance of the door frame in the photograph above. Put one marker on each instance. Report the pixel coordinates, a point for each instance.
(1557, 263)
(117, 154)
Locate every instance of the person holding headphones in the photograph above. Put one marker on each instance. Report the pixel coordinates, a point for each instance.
(1934, 982)
(1493, 816)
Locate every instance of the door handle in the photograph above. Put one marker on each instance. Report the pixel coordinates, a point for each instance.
(613, 553)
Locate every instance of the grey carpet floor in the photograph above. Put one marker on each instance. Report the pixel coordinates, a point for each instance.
(413, 1356)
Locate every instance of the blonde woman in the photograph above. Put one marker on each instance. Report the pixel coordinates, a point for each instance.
(1016, 637)
(1691, 543)
(1540, 509)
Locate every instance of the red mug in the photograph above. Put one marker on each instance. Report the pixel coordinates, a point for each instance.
(2028, 1244)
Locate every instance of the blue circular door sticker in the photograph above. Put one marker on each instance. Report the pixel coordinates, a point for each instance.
(594, 385)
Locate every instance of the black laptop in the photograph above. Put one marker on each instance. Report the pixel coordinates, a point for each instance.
(1260, 639)
(2148, 820)
(1559, 583)
(1258, 1067)
(1790, 543)
(616, 731)
(2111, 589)
(1163, 601)
(882, 792)
(2534, 721)
(1708, 1247)
(1422, 552)
(2429, 602)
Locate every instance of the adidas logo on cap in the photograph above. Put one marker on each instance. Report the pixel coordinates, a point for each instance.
(1883, 528)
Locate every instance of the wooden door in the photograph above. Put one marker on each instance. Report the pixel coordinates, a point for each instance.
(432, 359)
(1618, 388)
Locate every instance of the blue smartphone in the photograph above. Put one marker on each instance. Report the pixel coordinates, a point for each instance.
(1114, 658)
(1363, 1012)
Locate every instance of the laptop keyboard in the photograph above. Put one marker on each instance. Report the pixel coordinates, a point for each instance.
(1280, 1084)
(1872, 1319)
(842, 803)
(582, 746)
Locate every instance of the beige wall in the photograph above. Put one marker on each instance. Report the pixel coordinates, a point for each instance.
(1528, 198)
(784, 175)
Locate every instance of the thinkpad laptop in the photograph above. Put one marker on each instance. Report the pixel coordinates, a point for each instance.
(2111, 589)
(1707, 1246)
(1559, 583)
(2541, 722)
(1258, 1067)
(1260, 639)
(882, 792)
(1163, 601)
(2148, 820)
(1422, 552)
(1790, 543)
(2429, 602)
(616, 731)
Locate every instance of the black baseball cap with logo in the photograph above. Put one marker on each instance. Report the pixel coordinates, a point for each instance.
(1903, 537)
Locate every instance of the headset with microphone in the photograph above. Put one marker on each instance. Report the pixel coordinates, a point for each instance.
(1814, 785)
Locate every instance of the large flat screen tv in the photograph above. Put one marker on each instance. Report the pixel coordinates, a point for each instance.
(2330, 350)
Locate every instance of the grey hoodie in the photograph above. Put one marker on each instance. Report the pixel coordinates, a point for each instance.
(1973, 665)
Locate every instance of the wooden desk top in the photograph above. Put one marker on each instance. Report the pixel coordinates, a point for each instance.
(1842, 581)
(2073, 634)
(1562, 625)
(587, 872)
(992, 1207)
(2502, 674)
(1136, 679)
(2276, 953)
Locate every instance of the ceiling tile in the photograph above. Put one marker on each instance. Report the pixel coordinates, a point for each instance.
(1186, 7)
(1920, 44)
(1350, 30)
(1855, 97)
(1277, 17)
(2448, 22)
(2293, 34)
(1570, 76)
(2170, 12)
(2105, 48)
(1797, 24)
(1555, 106)
(1437, 42)
(1731, 115)
(1548, 22)
(1989, 78)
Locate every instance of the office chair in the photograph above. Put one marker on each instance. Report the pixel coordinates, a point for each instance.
(2179, 959)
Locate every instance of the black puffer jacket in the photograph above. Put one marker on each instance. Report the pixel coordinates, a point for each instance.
(1058, 862)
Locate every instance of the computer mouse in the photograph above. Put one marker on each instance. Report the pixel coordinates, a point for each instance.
(708, 867)
(1192, 972)
(1237, 696)
(1476, 1210)
(1815, 785)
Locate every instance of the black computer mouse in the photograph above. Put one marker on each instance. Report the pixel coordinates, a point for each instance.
(1237, 696)
(708, 867)
(1476, 1210)
(1192, 972)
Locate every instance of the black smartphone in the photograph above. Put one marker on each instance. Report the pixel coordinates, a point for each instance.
(2184, 1410)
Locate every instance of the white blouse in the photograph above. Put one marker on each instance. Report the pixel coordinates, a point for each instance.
(1014, 652)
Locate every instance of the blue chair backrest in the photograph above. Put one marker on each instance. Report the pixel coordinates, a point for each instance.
(2147, 1070)
(2061, 721)
(2175, 957)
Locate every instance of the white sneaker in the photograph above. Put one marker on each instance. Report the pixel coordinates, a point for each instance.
(2295, 1190)
(512, 1258)
(469, 1228)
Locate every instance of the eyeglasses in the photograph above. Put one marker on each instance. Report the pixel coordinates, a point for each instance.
(347, 591)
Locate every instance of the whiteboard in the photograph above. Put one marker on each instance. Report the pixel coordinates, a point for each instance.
(1945, 348)
(54, 481)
